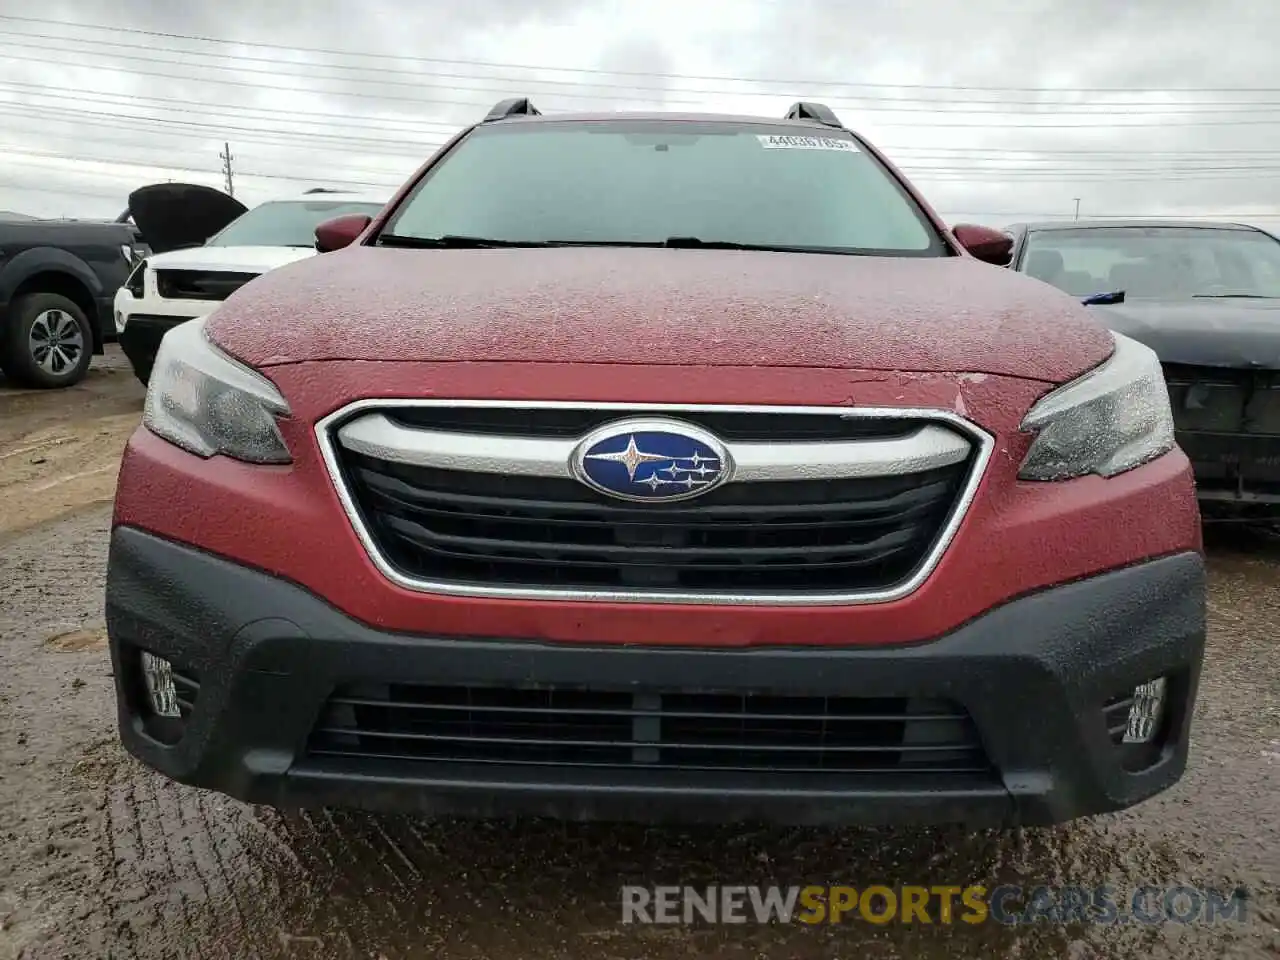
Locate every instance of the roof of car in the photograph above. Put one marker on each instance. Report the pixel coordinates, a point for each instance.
(650, 115)
(1148, 222)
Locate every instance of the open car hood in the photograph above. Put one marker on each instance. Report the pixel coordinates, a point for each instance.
(171, 216)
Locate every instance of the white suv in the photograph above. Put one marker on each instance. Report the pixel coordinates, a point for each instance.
(206, 246)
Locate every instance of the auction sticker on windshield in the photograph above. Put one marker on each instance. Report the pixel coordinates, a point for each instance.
(779, 141)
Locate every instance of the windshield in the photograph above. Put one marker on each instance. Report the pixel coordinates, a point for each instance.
(286, 223)
(619, 182)
(1156, 263)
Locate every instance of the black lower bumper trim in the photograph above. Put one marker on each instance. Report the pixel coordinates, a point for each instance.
(140, 340)
(1033, 677)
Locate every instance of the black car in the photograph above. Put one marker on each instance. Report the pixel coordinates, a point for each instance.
(57, 280)
(1206, 297)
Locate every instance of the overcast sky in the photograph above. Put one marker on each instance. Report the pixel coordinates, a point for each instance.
(999, 110)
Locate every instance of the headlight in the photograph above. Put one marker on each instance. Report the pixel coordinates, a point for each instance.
(135, 279)
(1112, 419)
(207, 403)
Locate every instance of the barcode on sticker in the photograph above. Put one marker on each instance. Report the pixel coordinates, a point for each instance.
(778, 141)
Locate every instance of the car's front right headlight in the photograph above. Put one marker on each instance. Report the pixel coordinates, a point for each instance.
(1114, 418)
(208, 404)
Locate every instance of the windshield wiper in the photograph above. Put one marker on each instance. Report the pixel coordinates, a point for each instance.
(1233, 296)
(697, 243)
(693, 243)
(453, 241)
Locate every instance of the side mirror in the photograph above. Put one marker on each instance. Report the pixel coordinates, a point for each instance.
(341, 231)
(988, 245)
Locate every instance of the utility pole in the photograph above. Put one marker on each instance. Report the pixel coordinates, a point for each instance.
(1076, 199)
(226, 168)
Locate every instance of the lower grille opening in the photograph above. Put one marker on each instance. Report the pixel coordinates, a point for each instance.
(1227, 421)
(659, 730)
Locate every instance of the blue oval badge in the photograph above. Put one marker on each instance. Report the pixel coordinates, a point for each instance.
(651, 461)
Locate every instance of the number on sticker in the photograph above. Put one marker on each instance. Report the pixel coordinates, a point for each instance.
(779, 141)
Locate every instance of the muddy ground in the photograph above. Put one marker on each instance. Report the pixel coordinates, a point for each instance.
(100, 858)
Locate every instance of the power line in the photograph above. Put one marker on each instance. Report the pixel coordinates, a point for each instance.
(17, 156)
(26, 188)
(629, 91)
(964, 168)
(964, 175)
(171, 161)
(980, 160)
(1022, 124)
(498, 92)
(81, 95)
(217, 130)
(274, 115)
(382, 57)
(204, 135)
(323, 119)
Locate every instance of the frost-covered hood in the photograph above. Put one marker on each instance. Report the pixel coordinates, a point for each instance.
(230, 259)
(662, 306)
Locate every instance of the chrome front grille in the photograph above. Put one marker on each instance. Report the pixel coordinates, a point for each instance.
(826, 505)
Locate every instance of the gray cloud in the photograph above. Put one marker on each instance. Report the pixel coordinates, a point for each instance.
(989, 155)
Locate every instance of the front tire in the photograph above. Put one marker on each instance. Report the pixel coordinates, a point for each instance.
(46, 342)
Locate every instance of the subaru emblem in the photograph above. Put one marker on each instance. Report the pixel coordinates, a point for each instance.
(651, 460)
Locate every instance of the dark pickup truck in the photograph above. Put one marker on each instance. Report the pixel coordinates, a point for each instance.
(57, 281)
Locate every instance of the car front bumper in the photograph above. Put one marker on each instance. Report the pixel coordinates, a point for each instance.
(140, 339)
(262, 657)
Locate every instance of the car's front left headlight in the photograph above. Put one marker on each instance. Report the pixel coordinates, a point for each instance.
(1114, 418)
(207, 403)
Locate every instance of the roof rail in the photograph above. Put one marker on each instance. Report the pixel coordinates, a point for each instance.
(813, 111)
(515, 107)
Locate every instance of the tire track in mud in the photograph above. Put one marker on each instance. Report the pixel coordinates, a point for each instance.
(105, 859)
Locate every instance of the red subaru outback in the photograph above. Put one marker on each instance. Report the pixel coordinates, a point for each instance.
(658, 466)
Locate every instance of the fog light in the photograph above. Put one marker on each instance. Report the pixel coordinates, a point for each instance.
(1146, 711)
(158, 674)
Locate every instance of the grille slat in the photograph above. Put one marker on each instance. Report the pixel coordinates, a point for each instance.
(444, 738)
(398, 493)
(793, 536)
(649, 730)
(830, 717)
(634, 555)
(565, 422)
